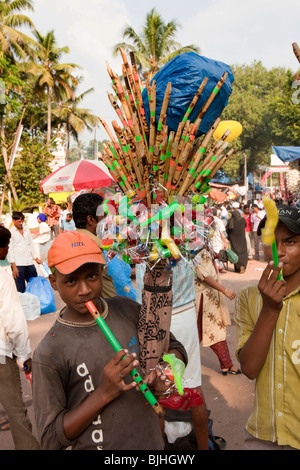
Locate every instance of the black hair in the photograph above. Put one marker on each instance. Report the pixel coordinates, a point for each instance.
(5, 236)
(84, 205)
(17, 215)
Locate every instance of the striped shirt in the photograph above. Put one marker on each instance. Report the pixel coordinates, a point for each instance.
(276, 414)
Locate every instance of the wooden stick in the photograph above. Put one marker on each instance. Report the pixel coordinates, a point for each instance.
(151, 89)
(161, 120)
(131, 143)
(122, 98)
(179, 163)
(163, 155)
(129, 91)
(220, 164)
(118, 111)
(198, 157)
(140, 148)
(114, 162)
(207, 167)
(208, 102)
(195, 99)
(168, 158)
(127, 154)
(296, 50)
(173, 157)
(112, 168)
(137, 86)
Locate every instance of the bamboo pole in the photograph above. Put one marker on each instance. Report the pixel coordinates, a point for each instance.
(151, 89)
(195, 99)
(202, 188)
(173, 157)
(197, 159)
(208, 102)
(163, 155)
(115, 164)
(140, 148)
(296, 50)
(161, 121)
(129, 159)
(118, 111)
(137, 86)
(180, 162)
(207, 167)
(168, 158)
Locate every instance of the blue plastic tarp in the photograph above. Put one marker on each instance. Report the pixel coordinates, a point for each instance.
(186, 73)
(287, 154)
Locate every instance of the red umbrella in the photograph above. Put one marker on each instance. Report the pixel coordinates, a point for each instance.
(83, 174)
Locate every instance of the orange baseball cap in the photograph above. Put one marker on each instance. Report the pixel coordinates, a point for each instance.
(70, 250)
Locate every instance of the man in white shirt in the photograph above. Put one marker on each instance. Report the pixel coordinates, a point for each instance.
(22, 252)
(14, 345)
(256, 217)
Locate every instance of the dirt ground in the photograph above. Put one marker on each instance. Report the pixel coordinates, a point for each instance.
(230, 398)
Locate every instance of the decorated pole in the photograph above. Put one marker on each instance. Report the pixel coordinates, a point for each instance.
(117, 347)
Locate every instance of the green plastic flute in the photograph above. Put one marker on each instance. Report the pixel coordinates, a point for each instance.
(117, 347)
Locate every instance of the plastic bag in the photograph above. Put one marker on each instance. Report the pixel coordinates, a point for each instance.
(30, 304)
(120, 273)
(232, 256)
(41, 287)
(186, 73)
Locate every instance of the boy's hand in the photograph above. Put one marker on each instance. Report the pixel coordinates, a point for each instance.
(115, 372)
(271, 289)
(157, 381)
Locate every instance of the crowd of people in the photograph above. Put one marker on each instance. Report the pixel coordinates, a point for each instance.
(235, 225)
(82, 399)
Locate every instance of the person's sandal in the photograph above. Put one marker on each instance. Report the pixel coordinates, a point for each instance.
(231, 371)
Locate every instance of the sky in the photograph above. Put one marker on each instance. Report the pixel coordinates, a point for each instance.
(231, 31)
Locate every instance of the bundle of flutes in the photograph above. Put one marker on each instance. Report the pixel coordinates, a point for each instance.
(146, 157)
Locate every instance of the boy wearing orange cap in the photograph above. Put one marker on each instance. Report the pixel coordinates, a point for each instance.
(83, 397)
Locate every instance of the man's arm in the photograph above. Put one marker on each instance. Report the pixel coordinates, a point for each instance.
(56, 424)
(111, 387)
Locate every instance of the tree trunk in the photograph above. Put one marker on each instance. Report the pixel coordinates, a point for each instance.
(48, 116)
(6, 162)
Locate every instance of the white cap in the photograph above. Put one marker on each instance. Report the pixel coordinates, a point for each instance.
(235, 205)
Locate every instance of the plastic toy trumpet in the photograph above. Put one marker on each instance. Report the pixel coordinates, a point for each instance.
(268, 232)
(117, 347)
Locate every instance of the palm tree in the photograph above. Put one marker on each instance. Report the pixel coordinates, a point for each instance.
(155, 46)
(75, 119)
(13, 42)
(52, 77)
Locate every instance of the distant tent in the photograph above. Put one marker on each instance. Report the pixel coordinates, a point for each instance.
(221, 178)
(287, 154)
